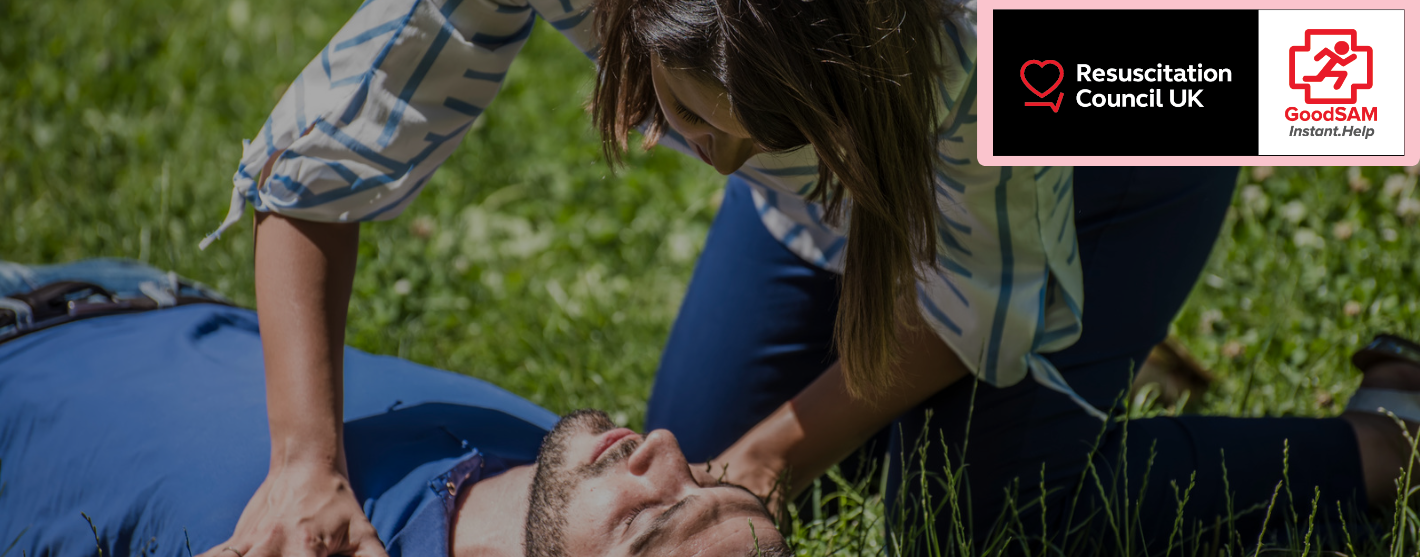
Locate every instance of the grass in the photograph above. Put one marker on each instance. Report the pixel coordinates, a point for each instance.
(526, 262)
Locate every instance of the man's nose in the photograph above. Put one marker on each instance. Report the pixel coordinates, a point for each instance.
(659, 453)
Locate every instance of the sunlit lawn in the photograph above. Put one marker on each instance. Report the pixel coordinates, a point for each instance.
(526, 262)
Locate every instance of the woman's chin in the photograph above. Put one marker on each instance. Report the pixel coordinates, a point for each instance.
(730, 167)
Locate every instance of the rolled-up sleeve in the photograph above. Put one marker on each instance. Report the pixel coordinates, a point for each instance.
(360, 131)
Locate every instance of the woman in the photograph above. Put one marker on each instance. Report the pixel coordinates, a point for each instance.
(863, 262)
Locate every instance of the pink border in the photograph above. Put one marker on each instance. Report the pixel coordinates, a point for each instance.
(986, 31)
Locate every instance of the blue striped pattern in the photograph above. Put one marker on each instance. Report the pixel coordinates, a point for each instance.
(495, 42)
(374, 172)
(967, 65)
(300, 86)
(485, 76)
(270, 140)
(370, 34)
(413, 85)
(952, 160)
(463, 107)
(565, 24)
(944, 235)
(395, 90)
(947, 280)
(946, 98)
(959, 227)
(1008, 261)
(949, 264)
(1007, 270)
(951, 182)
(936, 312)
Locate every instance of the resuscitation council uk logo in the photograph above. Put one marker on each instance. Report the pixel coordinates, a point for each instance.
(1331, 82)
(1158, 80)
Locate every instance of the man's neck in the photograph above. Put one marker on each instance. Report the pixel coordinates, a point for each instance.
(490, 515)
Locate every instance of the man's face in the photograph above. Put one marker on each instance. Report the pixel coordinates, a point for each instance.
(601, 490)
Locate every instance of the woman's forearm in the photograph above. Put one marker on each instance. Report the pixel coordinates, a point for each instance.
(304, 272)
(824, 424)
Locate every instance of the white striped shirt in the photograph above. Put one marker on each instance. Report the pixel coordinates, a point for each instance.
(370, 119)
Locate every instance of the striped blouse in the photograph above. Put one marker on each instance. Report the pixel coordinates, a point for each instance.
(370, 119)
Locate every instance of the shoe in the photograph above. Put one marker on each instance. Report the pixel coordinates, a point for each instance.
(1384, 348)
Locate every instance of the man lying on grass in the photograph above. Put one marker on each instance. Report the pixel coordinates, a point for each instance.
(150, 428)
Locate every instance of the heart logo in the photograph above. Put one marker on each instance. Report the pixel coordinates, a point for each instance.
(1060, 76)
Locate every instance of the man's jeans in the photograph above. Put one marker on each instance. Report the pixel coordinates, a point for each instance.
(123, 277)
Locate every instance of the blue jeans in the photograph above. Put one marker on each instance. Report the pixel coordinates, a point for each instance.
(123, 277)
(756, 327)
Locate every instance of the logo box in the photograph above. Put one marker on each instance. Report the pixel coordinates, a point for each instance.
(1373, 82)
(1251, 84)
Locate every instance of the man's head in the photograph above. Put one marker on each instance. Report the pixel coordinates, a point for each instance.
(600, 490)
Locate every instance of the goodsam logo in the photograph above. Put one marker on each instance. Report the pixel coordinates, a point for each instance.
(1330, 67)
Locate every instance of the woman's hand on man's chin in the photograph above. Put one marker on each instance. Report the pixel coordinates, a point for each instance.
(758, 479)
(762, 472)
(726, 469)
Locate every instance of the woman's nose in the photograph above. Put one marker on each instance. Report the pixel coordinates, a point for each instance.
(659, 453)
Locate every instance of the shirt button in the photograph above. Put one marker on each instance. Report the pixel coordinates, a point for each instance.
(450, 485)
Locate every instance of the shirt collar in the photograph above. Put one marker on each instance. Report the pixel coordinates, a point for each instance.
(426, 533)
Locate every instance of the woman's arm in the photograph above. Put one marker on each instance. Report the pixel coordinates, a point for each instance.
(305, 268)
(823, 424)
(379, 129)
(304, 272)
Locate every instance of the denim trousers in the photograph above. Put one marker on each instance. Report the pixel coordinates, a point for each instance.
(756, 327)
(122, 277)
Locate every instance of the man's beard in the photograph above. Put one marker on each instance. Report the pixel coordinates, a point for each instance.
(555, 481)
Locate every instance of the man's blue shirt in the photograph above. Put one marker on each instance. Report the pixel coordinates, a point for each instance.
(154, 425)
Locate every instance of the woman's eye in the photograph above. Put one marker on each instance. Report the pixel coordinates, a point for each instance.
(687, 114)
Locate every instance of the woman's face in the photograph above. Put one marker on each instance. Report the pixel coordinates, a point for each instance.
(701, 114)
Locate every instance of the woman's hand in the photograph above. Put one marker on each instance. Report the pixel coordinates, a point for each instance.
(704, 474)
(302, 511)
(806, 436)
(305, 507)
(757, 461)
(755, 474)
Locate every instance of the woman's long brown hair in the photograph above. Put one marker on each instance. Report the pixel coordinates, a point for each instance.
(856, 79)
